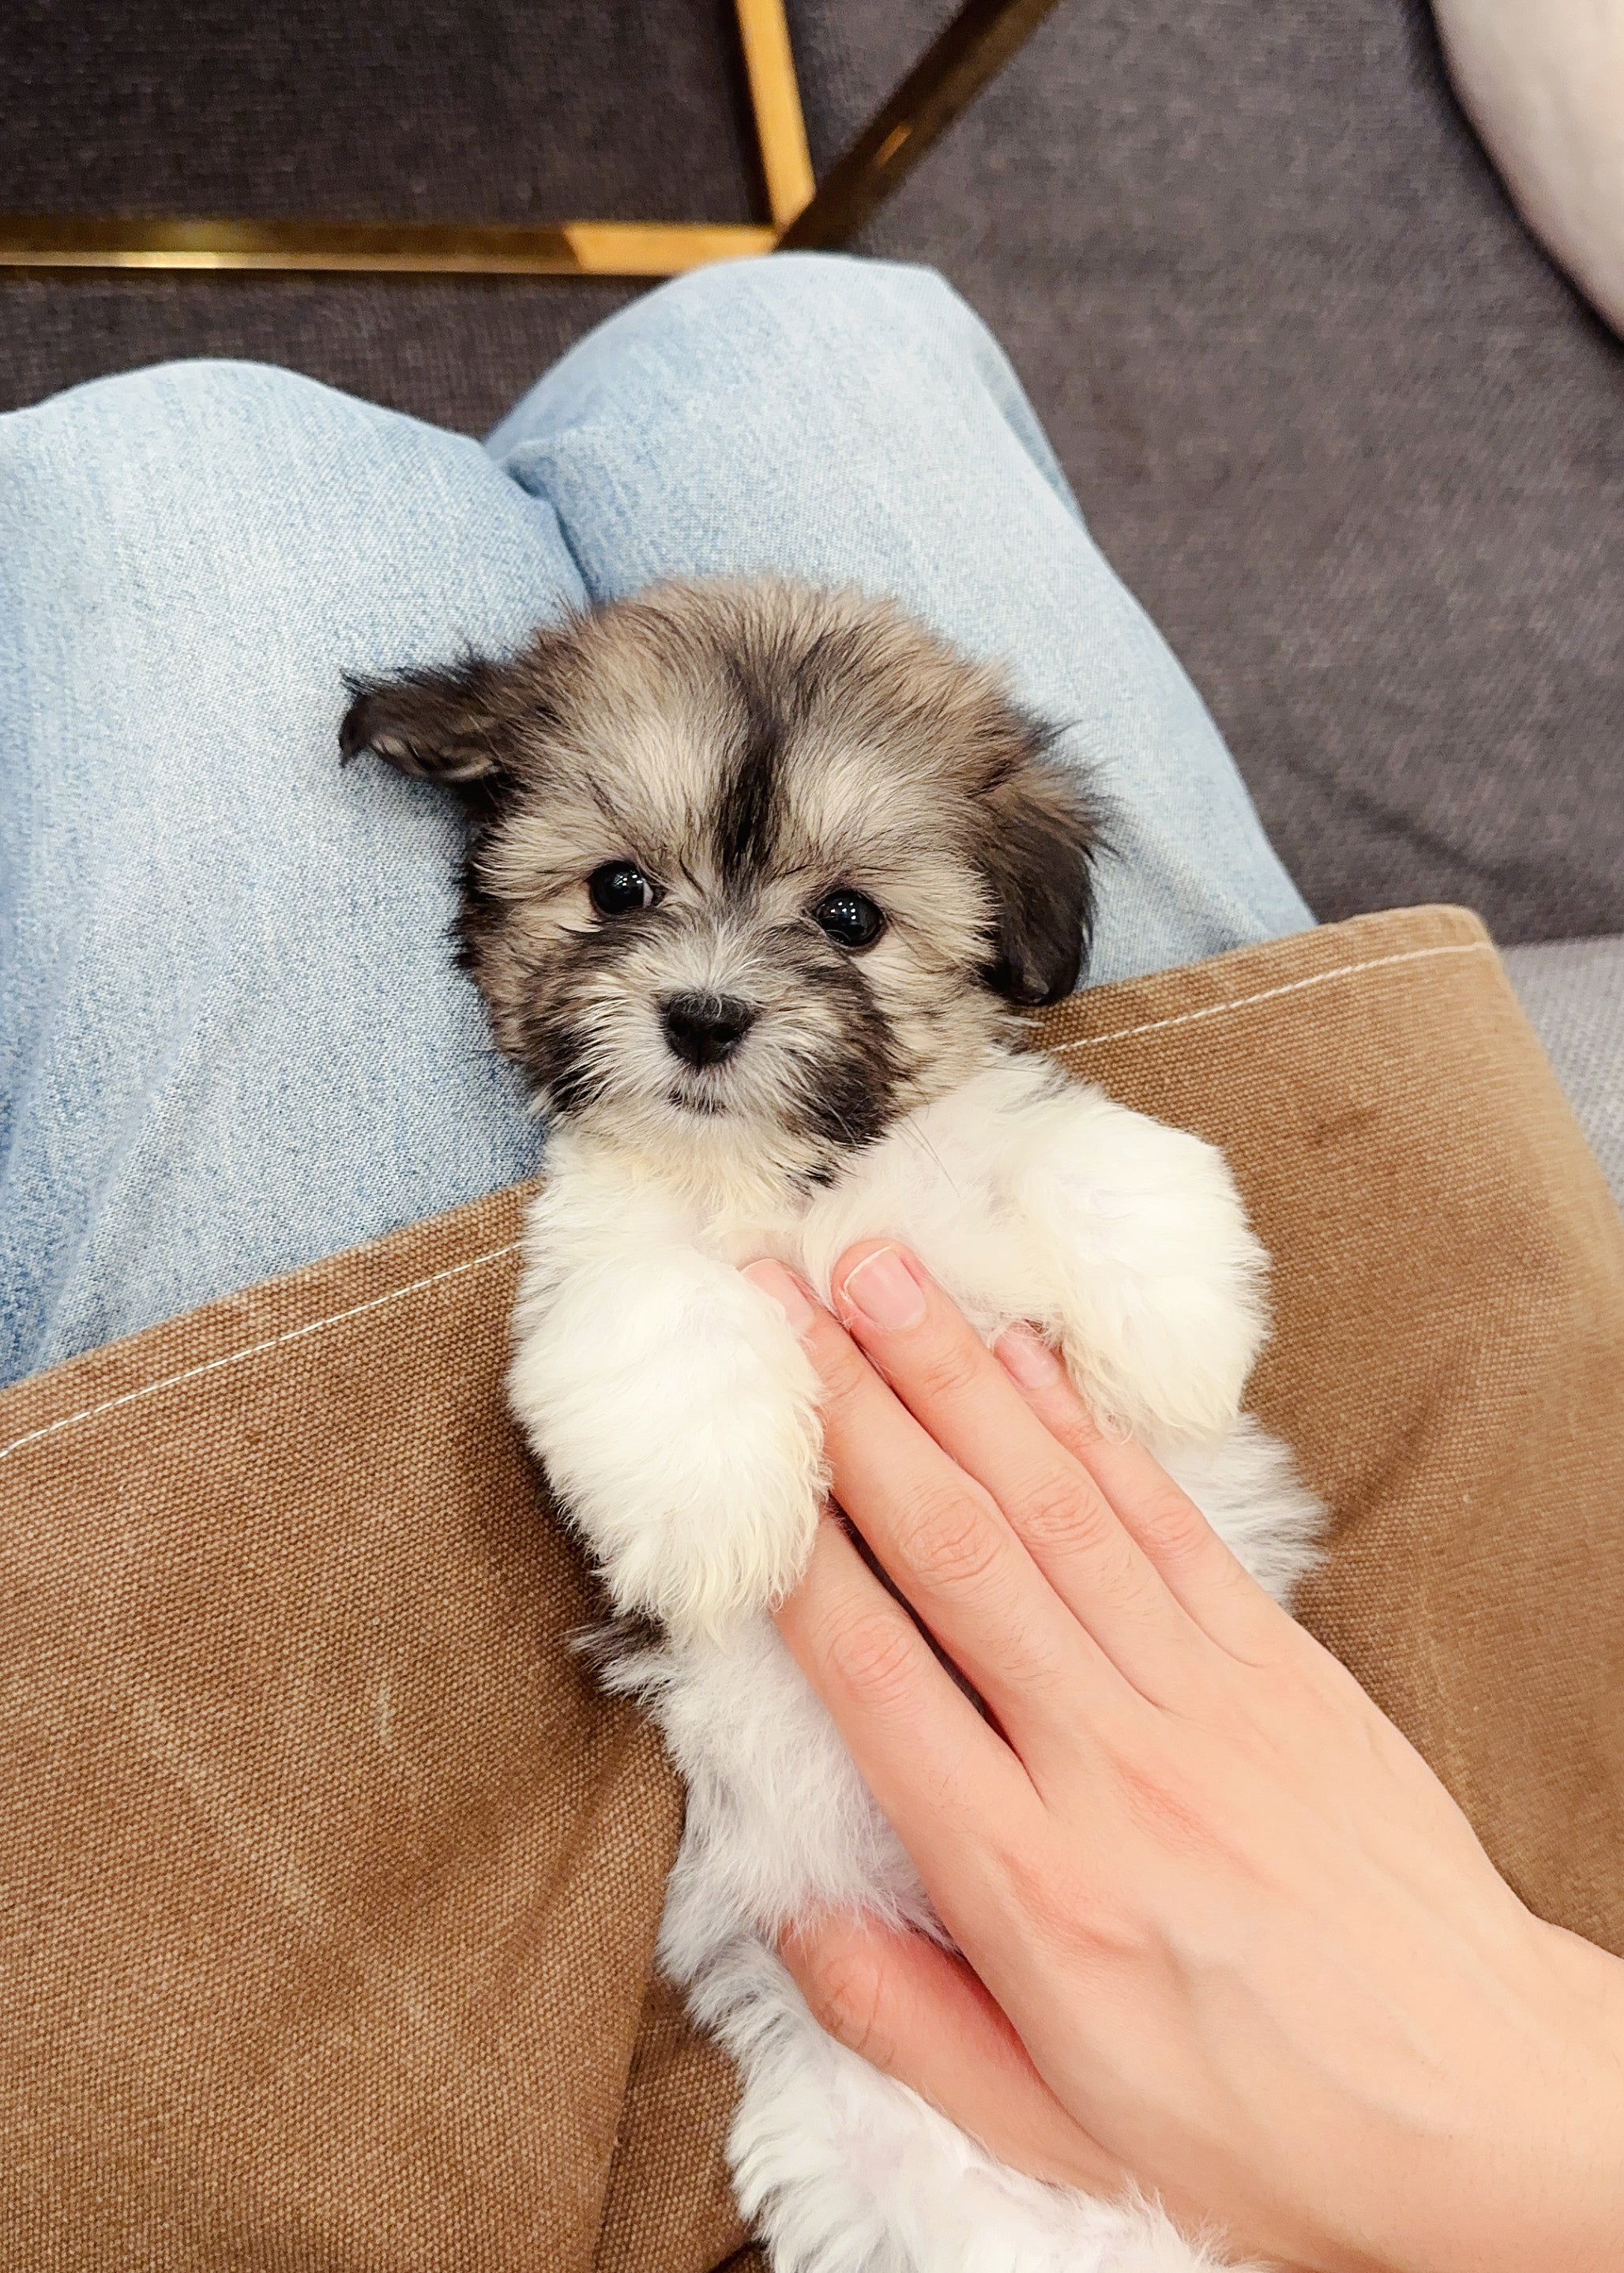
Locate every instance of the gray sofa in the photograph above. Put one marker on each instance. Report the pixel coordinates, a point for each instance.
(1350, 435)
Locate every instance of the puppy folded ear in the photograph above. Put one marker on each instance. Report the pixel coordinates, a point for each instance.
(455, 725)
(1042, 836)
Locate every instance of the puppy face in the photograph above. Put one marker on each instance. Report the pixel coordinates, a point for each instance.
(755, 869)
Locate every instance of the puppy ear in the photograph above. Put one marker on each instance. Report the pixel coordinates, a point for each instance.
(455, 725)
(1036, 857)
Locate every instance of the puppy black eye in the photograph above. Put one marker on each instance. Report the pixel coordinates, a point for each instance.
(851, 919)
(620, 889)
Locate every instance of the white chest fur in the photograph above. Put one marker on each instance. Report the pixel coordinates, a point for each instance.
(677, 1416)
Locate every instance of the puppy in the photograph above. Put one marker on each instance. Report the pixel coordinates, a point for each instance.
(759, 883)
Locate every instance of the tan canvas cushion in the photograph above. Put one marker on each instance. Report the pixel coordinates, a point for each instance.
(329, 1887)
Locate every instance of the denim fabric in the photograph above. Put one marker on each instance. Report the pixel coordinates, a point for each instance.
(231, 1038)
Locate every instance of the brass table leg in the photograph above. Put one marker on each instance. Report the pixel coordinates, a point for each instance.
(977, 43)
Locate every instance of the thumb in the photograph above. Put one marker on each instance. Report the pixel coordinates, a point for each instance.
(920, 2014)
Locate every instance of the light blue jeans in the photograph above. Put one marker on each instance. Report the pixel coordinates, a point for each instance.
(231, 1038)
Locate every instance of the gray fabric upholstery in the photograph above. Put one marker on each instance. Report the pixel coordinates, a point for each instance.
(458, 352)
(1573, 991)
(431, 109)
(1346, 431)
(1351, 438)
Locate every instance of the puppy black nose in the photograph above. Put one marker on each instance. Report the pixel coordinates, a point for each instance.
(704, 1029)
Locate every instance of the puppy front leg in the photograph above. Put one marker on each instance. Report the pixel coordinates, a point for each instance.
(1154, 1278)
(677, 1418)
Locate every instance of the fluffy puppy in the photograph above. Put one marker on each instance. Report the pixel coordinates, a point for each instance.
(759, 880)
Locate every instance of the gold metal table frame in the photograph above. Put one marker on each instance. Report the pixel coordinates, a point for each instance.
(805, 213)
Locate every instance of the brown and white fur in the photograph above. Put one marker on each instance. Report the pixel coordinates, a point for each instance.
(759, 879)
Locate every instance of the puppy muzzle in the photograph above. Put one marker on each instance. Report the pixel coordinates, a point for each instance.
(704, 1030)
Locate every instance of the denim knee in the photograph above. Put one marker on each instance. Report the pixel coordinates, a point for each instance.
(197, 554)
(263, 513)
(112, 436)
(190, 491)
(806, 326)
(841, 303)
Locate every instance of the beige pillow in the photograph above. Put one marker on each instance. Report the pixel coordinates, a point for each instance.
(1543, 80)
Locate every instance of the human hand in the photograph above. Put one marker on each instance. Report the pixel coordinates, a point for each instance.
(1224, 1934)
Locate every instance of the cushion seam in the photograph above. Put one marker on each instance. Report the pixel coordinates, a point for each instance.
(496, 1253)
(255, 1349)
(1271, 993)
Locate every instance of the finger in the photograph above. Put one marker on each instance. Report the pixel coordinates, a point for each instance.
(947, 1378)
(940, 1535)
(919, 2015)
(1199, 1570)
(937, 1772)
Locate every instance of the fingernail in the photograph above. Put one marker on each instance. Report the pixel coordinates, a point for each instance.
(884, 1291)
(774, 1279)
(1027, 1357)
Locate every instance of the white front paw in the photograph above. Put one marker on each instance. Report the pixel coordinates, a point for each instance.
(1155, 1278)
(677, 1416)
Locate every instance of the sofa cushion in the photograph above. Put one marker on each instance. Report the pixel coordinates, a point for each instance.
(1573, 991)
(329, 1887)
(1328, 407)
